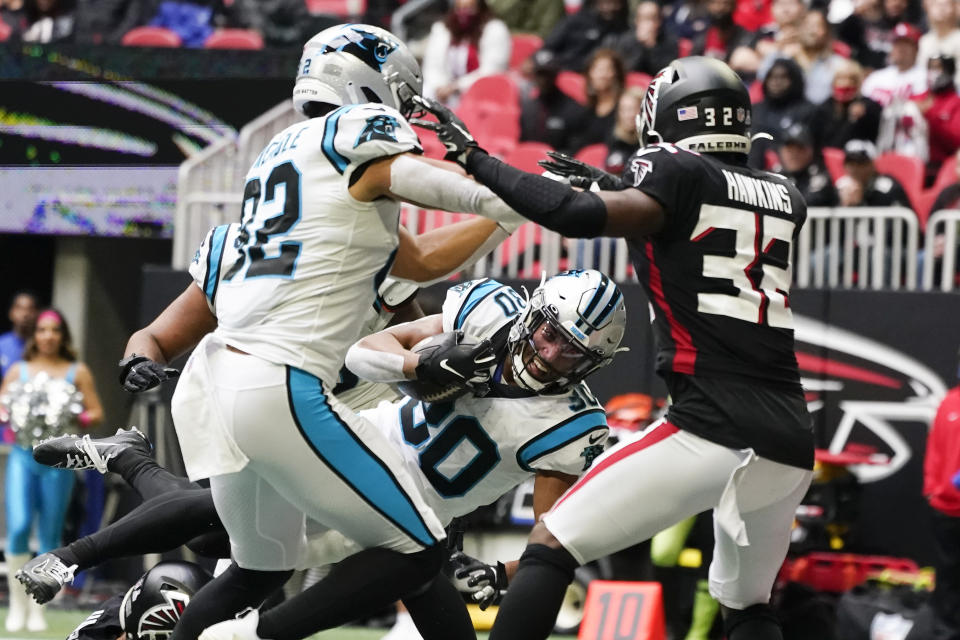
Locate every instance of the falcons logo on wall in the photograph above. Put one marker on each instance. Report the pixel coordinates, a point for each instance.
(161, 618)
(865, 392)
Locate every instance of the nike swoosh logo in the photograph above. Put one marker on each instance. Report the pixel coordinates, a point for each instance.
(595, 438)
(444, 365)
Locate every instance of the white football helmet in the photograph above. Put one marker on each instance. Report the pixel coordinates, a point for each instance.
(586, 311)
(357, 64)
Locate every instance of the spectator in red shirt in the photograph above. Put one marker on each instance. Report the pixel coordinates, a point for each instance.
(940, 106)
(724, 37)
(939, 466)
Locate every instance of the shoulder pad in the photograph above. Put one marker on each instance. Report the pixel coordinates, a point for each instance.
(213, 258)
(356, 134)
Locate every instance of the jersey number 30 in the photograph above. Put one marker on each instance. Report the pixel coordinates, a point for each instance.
(268, 256)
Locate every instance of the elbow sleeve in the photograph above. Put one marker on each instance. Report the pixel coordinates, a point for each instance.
(554, 205)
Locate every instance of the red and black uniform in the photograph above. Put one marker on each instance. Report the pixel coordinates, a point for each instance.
(718, 276)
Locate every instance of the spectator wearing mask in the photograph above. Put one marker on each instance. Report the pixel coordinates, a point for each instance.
(783, 104)
(577, 36)
(49, 20)
(816, 57)
(548, 114)
(802, 162)
(847, 114)
(622, 141)
(940, 107)
(940, 463)
(943, 38)
(649, 47)
(605, 81)
(902, 78)
(466, 44)
(781, 38)
(724, 37)
(866, 32)
(862, 186)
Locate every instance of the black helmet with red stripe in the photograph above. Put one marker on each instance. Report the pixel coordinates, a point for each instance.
(154, 604)
(697, 103)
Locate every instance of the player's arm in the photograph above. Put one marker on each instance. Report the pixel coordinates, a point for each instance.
(436, 184)
(554, 205)
(385, 356)
(176, 330)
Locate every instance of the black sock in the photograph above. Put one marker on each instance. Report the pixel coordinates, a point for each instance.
(529, 610)
(439, 611)
(756, 622)
(356, 586)
(161, 524)
(147, 477)
(225, 596)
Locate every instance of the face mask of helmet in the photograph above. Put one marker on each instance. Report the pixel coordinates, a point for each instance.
(571, 326)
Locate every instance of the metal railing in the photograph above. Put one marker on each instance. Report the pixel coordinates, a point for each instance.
(858, 247)
(943, 224)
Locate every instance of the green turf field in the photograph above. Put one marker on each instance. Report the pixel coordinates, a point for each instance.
(63, 622)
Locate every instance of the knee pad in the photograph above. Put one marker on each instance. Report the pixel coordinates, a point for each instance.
(559, 559)
(759, 615)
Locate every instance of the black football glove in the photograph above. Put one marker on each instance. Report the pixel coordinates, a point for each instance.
(450, 129)
(139, 373)
(457, 363)
(479, 580)
(579, 174)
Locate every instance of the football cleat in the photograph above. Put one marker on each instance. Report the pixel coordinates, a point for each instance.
(43, 576)
(72, 452)
(243, 628)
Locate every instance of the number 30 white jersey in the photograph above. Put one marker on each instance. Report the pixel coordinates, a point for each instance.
(309, 257)
(469, 452)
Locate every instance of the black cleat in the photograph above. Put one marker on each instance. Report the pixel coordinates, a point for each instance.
(44, 575)
(72, 452)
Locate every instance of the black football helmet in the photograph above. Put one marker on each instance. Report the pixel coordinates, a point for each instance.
(699, 104)
(154, 604)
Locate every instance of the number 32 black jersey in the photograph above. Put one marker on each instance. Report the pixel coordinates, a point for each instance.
(718, 274)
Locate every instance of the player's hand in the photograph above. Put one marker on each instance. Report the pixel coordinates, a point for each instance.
(579, 174)
(458, 363)
(479, 580)
(139, 373)
(449, 128)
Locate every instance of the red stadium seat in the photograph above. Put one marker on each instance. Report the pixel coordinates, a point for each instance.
(907, 170)
(234, 39)
(524, 45)
(594, 154)
(497, 130)
(684, 47)
(339, 8)
(496, 91)
(573, 84)
(638, 79)
(946, 175)
(5, 31)
(526, 155)
(151, 37)
(833, 158)
(756, 91)
(842, 49)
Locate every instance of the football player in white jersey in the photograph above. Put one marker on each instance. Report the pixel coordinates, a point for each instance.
(319, 231)
(535, 416)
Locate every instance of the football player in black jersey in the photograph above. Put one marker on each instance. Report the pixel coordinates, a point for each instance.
(711, 240)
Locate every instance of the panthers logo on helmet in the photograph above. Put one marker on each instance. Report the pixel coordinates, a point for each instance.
(365, 46)
(380, 127)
